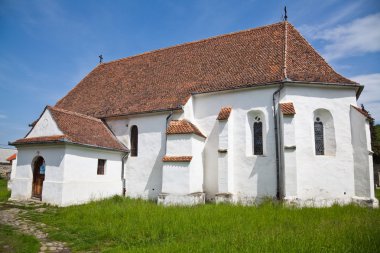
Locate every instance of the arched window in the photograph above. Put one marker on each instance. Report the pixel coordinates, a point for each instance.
(324, 133)
(318, 137)
(256, 133)
(258, 136)
(134, 140)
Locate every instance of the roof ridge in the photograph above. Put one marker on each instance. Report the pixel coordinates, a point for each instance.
(74, 113)
(193, 42)
(285, 49)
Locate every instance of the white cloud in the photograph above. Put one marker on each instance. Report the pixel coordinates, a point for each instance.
(370, 95)
(3, 116)
(356, 38)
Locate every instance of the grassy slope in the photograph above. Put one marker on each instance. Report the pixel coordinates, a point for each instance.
(118, 225)
(13, 241)
(4, 193)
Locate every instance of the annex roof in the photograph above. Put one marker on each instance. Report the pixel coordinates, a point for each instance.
(177, 158)
(12, 157)
(78, 129)
(224, 113)
(164, 79)
(183, 127)
(287, 108)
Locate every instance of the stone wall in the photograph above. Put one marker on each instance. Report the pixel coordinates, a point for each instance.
(5, 171)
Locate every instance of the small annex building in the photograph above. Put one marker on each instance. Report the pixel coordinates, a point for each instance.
(233, 118)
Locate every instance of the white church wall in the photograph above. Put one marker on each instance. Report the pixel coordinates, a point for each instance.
(45, 126)
(196, 165)
(81, 182)
(327, 177)
(176, 178)
(253, 175)
(188, 110)
(179, 145)
(143, 173)
(363, 165)
(70, 175)
(22, 181)
(13, 173)
(289, 175)
(225, 158)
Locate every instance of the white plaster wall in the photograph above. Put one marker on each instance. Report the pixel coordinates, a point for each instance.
(22, 181)
(225, 161)
(70, 176)
(322, 177)
(361, 148)
(176, 178)
(188, 110)
(143, 173)
(223, 135)
(196, 165)
(252, 175)
(289, 175)
(45, 126)
(13, 173)
(370, 162)
(81, 182)
(179, 145)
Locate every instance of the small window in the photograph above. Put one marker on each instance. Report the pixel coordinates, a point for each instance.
(258, 137)
(101, 165)
(318, 136)
(134, 141)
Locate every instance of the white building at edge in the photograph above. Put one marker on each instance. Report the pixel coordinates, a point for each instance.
(233, 118)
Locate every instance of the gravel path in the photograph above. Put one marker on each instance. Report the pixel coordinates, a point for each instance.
(10, 215)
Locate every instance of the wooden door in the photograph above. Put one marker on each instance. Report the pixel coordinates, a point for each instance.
(38, 177)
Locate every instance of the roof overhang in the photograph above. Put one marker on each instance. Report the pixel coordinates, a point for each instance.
(358, 88)
(58, 142)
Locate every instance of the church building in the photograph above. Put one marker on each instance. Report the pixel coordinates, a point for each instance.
(233, 118)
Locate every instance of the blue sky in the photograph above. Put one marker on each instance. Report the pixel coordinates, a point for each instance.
(48, 46)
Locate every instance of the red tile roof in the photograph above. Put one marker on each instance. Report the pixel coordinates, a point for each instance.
(80, 129)
(12, 157)
(41, 139)
(177, 158)
(183, 127)
(287, 108)
(224, 113)
(164, 79)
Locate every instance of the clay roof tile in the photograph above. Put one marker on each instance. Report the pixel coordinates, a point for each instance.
(165, 79)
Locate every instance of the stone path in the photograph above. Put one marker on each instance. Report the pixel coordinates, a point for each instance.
(10, 215)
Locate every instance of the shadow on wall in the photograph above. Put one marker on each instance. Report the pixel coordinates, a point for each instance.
(210, 163)
(154, 183)
(266, 181)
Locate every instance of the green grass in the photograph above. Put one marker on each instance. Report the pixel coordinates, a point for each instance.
(13, 241)
(4, 193)
(120, 225)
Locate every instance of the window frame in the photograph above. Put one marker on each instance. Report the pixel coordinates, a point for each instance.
(134, 140)
(319, 141)
(101, 169)
(258, 138)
